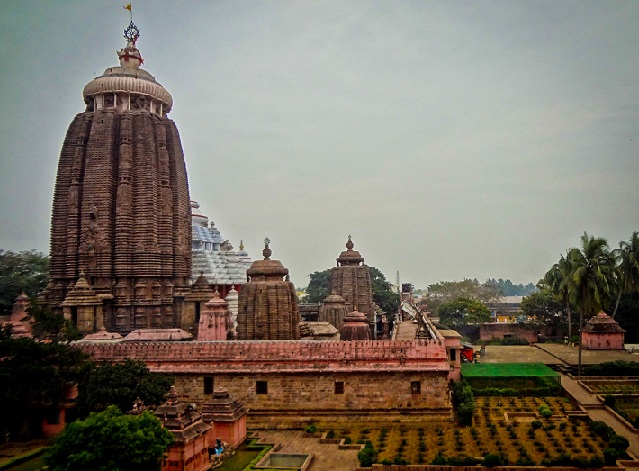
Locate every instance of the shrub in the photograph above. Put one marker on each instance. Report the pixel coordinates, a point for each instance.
(312, 428)
(439, 459)
(610, 400)
(493, 459)
(367, 456)
(536, 424)
(400, 460)
(347, 440)
(330, 434)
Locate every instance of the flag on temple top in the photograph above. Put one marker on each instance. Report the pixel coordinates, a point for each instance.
(127, 7)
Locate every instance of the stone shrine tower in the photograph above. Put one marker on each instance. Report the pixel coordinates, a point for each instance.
(268, 307)
(333, 310)
(121, 210)
(352, 281)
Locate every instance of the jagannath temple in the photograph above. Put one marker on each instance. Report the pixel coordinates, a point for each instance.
(121, 210)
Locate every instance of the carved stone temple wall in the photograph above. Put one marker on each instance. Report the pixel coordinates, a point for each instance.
(121, 212)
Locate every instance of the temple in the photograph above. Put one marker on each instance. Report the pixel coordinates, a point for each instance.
(351, 280)
(268, 307)
(121, 215)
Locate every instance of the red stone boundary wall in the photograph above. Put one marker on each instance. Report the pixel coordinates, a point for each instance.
(277, 356)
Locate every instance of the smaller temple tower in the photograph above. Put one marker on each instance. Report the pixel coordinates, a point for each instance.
(351, 279)
(333, 310)
(215, 320)
(189, 451)
(355, 327)
(268, 307)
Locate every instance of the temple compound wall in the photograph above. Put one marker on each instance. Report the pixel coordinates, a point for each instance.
(292, 383)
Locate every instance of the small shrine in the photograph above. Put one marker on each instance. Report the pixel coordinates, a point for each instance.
(189, 451)
(602, 332)
(215, 320)
(227, 417)
(21, 325)
(355, 327)
(333, 310)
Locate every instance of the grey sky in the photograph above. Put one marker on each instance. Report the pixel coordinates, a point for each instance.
(451, 139)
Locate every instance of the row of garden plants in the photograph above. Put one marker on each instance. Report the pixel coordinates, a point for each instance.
(490, 440)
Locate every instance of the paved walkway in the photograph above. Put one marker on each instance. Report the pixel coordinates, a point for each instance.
(406, 330)
(326, 456)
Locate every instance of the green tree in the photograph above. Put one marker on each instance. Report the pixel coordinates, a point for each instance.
(51, 326)
(628, 269)
(448, 291)
(35, 378)
(543, 307)
(318, 287)
(383, 294)
(463, 311)
(559, 281)
(121, 384)
(21, 272)
(110, 441)
(593, 279)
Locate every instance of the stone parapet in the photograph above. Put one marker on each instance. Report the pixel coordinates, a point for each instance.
(278, 356)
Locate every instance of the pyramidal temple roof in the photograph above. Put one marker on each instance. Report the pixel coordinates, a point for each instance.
(213, 256)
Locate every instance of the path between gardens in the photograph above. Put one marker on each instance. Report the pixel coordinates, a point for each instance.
(597, 411)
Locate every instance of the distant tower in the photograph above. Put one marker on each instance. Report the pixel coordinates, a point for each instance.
(352, 281)
(121, 204)
(268, 307)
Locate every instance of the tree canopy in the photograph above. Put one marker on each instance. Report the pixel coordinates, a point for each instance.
(544, 307)
(120, 384)
(318, 287)
(34, 378)
(463, 311)
(449, 291)
(21, 272)
(110, 441)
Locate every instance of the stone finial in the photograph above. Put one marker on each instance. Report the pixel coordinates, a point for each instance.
(267, 252)
(241, 244)
(349, 244)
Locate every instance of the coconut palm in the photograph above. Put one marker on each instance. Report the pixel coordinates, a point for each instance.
(593, 279)
(558, 279)
(628, 269)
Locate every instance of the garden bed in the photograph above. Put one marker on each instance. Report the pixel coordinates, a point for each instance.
(525, 443)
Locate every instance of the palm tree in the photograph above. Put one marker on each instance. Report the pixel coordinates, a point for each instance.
(593, 279)
(628, 269)
(558, 279)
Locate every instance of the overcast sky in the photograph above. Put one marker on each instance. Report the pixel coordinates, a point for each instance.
(451, 139)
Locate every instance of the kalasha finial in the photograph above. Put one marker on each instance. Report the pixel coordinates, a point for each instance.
(267, 251)
(349, 244)
(241, 244)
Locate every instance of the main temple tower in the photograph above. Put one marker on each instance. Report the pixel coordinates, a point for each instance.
(121, 213)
